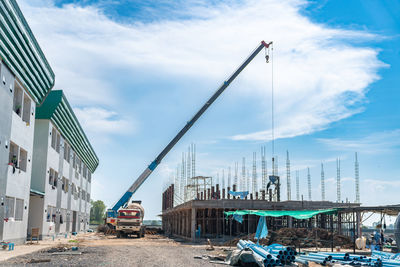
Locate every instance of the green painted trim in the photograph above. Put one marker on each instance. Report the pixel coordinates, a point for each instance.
(37, 192)
(57, 109)
(22, 54)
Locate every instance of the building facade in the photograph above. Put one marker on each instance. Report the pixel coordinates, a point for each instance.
(46, 160)
(62, 168)
(25, 80)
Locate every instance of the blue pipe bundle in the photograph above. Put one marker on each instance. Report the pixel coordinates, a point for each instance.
(324, 258)
(274, 255)
(279, 255)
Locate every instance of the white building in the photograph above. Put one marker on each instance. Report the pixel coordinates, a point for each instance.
(25, 80)
(63, 163)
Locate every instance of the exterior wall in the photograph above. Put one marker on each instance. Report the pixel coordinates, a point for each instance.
(17, 182)
(62, 204)
(6, 104)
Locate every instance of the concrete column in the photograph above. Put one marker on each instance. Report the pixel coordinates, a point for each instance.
(358, 224)
(193, 225)
(290, 222)
(339, 223)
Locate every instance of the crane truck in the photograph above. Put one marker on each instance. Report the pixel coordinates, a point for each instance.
(127, 218)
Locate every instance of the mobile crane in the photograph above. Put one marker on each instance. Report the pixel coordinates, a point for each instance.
(113, 217)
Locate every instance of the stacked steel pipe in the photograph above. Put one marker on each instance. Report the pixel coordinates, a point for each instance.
(324, 258)
(279, 255)
(274, 255)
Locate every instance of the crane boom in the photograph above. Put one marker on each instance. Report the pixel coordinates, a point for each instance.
(146, 173)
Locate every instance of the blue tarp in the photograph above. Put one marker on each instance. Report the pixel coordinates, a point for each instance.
(262, 229)
(238, 218)
(242, 194)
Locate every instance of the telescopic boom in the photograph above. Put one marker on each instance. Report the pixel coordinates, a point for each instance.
(146, 173)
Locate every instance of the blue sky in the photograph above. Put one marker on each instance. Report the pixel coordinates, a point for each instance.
(136, 71)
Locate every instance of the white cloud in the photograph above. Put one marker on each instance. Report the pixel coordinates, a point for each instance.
(99, 120)
(319, 76)
(378, 142)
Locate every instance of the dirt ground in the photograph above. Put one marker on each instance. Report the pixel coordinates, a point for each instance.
(98, 250)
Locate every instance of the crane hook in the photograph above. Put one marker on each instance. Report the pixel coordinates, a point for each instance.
(267, 55)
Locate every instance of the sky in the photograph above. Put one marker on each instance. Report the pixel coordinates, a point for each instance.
(136, 71)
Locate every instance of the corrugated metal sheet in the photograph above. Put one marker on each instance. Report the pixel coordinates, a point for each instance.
(21, 52)
(57, 109)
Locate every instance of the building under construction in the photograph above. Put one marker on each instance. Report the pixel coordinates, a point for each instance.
(193, 206)
(204, 217)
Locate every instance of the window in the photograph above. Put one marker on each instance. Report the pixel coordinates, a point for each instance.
(63, 215)
(18, 157)
(69, 154)
(79, 192)
(58, 142)
(23, 159)
(66, 147)
(87, 197)
(13, 155)
(19, 209)
(53, 214)
(77, 175)
(26, 115)
(83, 194)
(74, 191)
(84, 171)
(80, 165)
(53, 138)
(17, 104)
(53, 178)
(89, 176)
(9, 207)
(73, 160)
(65, 184)
(48, 217)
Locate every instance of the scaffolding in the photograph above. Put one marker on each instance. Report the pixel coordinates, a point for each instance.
(338, 193)
(322, 182)
(254, 175)
(199, 187)
(288, 186)
(357, 178)
(297, 186)
(309, 183)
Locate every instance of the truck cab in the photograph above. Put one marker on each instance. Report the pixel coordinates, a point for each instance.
(130, 220)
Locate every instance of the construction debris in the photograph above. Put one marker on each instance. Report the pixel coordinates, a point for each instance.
(299, 237)
(38, 260)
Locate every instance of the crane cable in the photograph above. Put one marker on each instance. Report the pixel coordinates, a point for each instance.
(268, 57)
(272, 101)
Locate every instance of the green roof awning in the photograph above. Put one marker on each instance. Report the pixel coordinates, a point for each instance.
(36, 192)
(22, 54)
(297, 214)
(57, 109)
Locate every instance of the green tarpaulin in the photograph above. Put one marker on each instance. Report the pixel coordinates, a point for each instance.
(297, 214)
